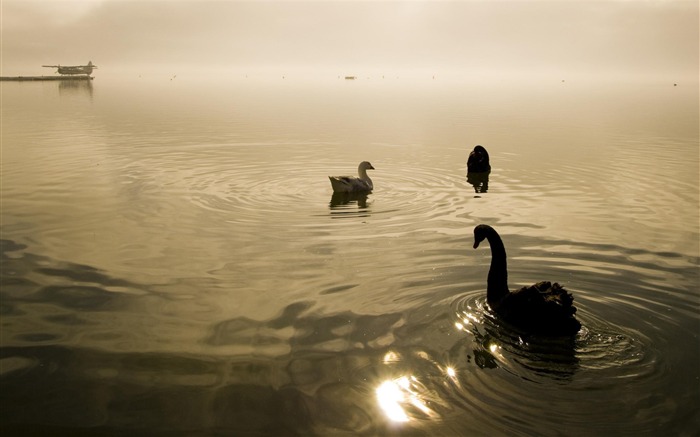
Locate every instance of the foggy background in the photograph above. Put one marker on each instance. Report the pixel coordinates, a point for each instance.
(563, 39)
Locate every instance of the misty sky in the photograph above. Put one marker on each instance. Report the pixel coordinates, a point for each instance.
(561, 37)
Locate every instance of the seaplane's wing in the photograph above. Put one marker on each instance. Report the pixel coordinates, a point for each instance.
(51, 66)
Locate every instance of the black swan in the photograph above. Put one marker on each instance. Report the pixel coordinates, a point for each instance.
(351, 184)
(478, 161)
(541, 309)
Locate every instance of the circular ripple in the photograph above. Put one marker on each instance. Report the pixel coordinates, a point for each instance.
(599, 346)
(293, 182)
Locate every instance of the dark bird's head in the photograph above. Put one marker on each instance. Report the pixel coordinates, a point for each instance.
(481, 152)
(480, 233)
(478, 161)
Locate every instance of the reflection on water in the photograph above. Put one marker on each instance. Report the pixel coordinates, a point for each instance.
(397, 396)
(498, 345)
(68, 87)
(172, 268)
(480, 181)
(342, 202)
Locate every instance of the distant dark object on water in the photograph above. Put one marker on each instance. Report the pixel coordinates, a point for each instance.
(350, 77)
(73, 69)
(71, 72)
(544, 308)
(478, 161)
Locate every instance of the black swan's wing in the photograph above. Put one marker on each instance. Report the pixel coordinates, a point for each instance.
(543, 308)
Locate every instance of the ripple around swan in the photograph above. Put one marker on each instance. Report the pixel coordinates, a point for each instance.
(594, 360)
(622, 337)
(605, 345)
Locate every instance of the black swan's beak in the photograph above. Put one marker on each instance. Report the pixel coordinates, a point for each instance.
(476, 244)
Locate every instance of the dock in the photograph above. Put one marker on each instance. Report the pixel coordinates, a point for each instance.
(37, 78)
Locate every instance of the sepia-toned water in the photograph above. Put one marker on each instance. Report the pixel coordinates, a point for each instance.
(174, 262)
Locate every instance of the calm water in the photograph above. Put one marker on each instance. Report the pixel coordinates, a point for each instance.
(173, 262)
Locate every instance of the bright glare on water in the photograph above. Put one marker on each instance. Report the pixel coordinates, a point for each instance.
(174, 262)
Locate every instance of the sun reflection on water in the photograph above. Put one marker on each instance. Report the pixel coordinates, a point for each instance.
(466, 318)
(398, 395)
(404, 398)
(390, 397)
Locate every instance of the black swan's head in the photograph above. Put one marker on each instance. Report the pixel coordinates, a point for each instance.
(481, 152)
(480, 233)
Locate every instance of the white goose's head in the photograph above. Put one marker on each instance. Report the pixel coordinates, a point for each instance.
(364, 166)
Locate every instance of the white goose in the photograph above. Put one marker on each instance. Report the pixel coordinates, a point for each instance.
(351, 184)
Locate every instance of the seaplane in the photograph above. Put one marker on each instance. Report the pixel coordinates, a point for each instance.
(73, 69)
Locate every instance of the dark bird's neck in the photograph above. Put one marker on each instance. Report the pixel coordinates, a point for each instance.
(497, 287)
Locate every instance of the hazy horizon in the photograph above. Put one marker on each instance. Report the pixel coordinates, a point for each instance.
(656, 39)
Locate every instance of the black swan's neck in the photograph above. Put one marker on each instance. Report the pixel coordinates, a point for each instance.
(497, 285)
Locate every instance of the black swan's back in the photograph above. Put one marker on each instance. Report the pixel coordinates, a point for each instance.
(543, 308)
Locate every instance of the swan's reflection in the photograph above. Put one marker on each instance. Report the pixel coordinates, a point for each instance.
(480, 181)
(487, 352)
(343, 201)
(498, 345)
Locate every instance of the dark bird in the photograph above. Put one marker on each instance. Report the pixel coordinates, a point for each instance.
(351, 184)
(478, 161)
(541, 309)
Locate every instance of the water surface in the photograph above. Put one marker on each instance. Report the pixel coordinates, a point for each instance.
(174, 262)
